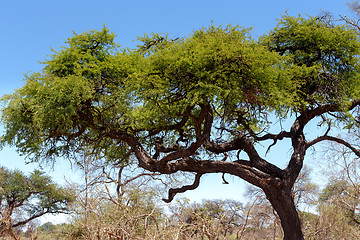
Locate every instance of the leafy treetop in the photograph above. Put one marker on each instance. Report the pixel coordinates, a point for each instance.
(176, 104)
(91, 89)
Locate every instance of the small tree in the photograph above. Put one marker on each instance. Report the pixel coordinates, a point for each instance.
(193, 104)
(25, 198)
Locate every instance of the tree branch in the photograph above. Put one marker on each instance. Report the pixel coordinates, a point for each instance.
(269, 136)
(298, 138)
(244, 143)
(174, 191)
(23, 222)
(202, 124)
(334, 139)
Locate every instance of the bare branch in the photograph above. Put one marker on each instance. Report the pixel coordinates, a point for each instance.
(174, 191)
(352, 23)
(334, 139)
(223, 175)
(21, 223)
(138, 176)
(224, 180)
(275, 137)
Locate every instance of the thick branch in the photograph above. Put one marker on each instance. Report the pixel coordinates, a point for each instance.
(244, 143)
(298, 143)
(186, 164)
(297, 135)
(298, 138)
(203, 124)
(310, 114)
(174, 191)
(269, 136)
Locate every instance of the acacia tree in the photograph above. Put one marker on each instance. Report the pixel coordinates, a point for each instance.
(193, 104)
(25, 198)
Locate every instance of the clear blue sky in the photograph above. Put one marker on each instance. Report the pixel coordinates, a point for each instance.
(30, 28)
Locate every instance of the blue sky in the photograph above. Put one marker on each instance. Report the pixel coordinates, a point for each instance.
(30, 28)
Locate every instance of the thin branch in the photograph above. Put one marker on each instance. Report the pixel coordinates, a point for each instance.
(37, 216)
(274, 137)
(351, 22)
(224, 180)
(138, 176)
(127, 154)
(334, 139)
(246, 220)
(223, 175)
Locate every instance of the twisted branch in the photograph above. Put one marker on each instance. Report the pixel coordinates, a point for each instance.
(174, 191)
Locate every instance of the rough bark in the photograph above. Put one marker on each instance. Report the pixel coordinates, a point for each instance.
(275, 182)
(281, 199)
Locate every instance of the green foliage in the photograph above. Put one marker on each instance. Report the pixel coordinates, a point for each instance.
(334, 190)
(87, 55)
(344, 196)
(49, 231)
(324, 57)
(47, 227)
(93, 92)
(74, 80)
(33, 195)
(221, 65)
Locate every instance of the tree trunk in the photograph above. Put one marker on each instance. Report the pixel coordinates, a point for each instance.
(281, 199)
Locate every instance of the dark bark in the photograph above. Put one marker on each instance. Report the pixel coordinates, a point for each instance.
(275, 182)
(281, 199)
(174, 191)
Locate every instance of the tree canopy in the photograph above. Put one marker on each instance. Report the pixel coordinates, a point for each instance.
(192, 104)
(25, 198)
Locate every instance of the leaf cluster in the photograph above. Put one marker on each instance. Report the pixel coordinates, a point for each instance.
(323, 55)
(91, 92)
(33, 195)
